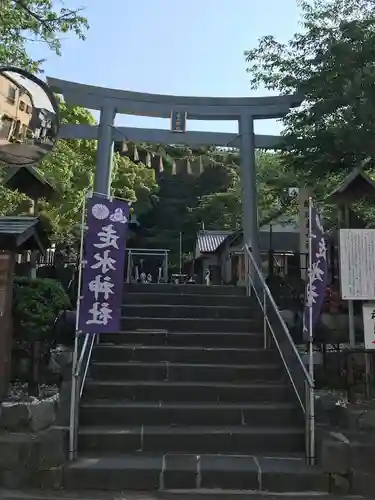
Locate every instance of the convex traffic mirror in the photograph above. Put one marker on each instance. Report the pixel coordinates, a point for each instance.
(29, 118)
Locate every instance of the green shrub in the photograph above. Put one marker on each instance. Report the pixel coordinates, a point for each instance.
(36, 303)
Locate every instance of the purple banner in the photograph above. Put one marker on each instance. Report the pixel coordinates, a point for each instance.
(104, 263)
(317, 276)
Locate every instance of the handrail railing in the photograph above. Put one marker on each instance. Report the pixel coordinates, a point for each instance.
(301, 381)
(79, 371)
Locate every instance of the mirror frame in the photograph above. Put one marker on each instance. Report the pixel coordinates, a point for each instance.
(51, 96)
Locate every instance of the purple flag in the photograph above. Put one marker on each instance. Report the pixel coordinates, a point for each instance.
(104, 262)
(317, 275)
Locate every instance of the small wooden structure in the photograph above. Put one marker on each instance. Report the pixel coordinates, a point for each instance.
(356, 186)
(16, 234)
(29, 181)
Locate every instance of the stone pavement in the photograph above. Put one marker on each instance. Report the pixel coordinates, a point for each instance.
(180, 495)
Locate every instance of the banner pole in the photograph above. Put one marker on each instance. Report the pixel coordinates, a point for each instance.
(74, 388)
(311, 409)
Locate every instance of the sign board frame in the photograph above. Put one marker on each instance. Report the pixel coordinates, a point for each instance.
(368, 311)
(178, 121)
(357, 264)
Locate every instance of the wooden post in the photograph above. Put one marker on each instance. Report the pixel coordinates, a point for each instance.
(6, 318)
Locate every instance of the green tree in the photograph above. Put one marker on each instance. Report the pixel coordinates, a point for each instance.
(25, 21)
(223, 209)
(71, 169)
(331, 63)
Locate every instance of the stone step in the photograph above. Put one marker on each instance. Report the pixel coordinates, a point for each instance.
(185, 372)
(188, 391)
(169, 288)
(191, 324)
(238, 440)
(115, 413)
(151, 337)
(154, 472)
(177, 354)
(146, 298)
(167, 311)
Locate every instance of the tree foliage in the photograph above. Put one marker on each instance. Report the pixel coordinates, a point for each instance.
(186, 203)
(331, 63)
(71, 169)
(24, 21)
(222, 209)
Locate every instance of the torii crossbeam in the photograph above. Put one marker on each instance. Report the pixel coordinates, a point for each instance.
(244, 110)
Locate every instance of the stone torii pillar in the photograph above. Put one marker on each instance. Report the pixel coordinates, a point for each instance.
(244, 110)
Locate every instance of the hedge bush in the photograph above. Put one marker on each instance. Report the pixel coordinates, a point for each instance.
(36, 303)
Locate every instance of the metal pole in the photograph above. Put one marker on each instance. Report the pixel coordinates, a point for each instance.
(166, 267)
(310, 405)
(350, 302)
(249, 188)
(74, 390)
(180, 253)
(265, 339)
(104, 153)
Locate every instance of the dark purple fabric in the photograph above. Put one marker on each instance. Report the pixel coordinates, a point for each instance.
(104, 262)
(318, 273)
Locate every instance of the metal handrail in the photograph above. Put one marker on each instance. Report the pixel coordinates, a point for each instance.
(307, 405)
(267, 291)
(79, 371)
(87, 344)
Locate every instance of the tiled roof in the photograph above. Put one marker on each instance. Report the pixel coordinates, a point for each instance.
(17, 225)
(208, 241)
(24, 232)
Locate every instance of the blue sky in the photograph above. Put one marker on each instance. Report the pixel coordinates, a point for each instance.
(185, 47)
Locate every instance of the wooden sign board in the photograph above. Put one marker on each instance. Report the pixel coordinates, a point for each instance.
(357, 264)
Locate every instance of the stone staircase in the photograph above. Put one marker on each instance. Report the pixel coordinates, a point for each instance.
(186, 398)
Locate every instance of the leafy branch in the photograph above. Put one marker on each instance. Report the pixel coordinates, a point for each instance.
(37, 20)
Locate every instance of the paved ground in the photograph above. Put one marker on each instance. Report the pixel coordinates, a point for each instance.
(196, 495)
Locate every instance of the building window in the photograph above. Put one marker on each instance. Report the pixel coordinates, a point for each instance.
(11, 94)
(28, 110)
(22, 106)
(23, 131)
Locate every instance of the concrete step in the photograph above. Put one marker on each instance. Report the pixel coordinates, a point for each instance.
(153, 337)
(176, 354)
(187, 311)
(185, 372)
(152, 472)
(145, 298)
(191, 324)
(169, 288)
(188, 391)
(238, 440)
(115, 413)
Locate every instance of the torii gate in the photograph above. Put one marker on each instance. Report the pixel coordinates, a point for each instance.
(244, 110)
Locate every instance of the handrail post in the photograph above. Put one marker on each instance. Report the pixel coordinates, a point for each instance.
(129, 266)
(166, 266)
(265, 333)
(73, 403)
(247, 273)
(310, 425)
